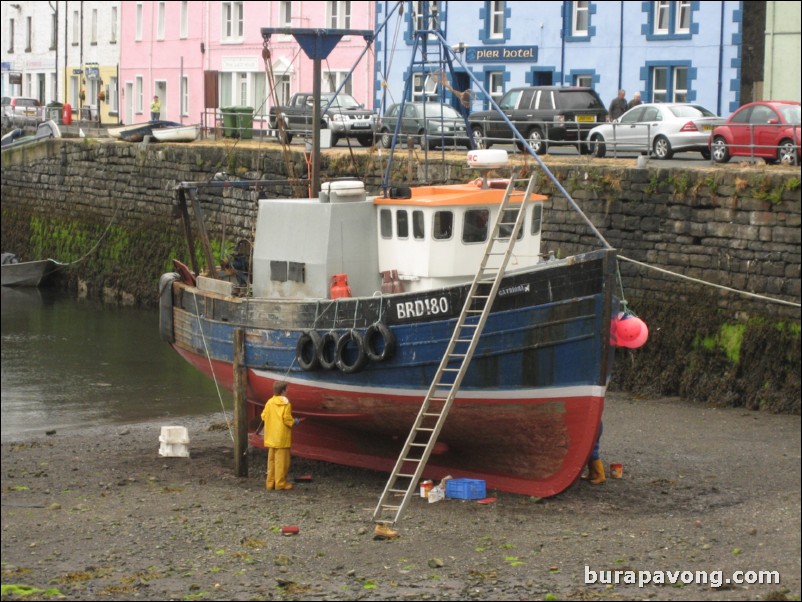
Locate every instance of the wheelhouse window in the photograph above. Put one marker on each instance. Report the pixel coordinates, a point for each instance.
(474, 225)
(418, 231)
(442, 225)
(508, 223)
(287, 271)
(537, 218)
(402, 223)
(386, 223)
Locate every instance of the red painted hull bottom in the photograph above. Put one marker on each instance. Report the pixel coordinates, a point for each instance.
(536, 445)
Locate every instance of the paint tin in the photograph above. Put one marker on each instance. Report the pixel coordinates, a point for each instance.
(616, 470)
(425, 488)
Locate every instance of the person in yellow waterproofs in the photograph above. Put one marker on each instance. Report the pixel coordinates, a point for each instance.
(278, 421)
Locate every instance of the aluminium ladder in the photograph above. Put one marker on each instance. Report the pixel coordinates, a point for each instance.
(454, 364)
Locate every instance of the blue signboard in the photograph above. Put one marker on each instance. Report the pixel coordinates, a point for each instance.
(501, 54)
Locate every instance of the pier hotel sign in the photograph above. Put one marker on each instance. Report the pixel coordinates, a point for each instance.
(505, 54)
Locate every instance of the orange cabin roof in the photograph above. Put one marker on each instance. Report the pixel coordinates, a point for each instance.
(453, 195)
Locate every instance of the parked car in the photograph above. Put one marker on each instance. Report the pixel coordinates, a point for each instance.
(543, 115)
(769, 129)
(18, 110)
(660, 128)
(432, 124)
(345, 118)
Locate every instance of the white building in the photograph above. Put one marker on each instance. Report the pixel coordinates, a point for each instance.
(29, 50)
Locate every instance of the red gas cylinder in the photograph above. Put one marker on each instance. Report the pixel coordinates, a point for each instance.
(66, 114)
(339, 286)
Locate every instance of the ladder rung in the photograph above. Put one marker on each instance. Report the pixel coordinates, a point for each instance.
(430, 415)
(423, 429)
(396, 491)
(412, 459)
(404, 475)
(390, 507)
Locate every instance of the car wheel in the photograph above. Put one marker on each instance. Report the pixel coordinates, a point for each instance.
(584, 148)
(365, 141)
(719, 150)
(662, 148)
(386, 138)
(786, 153)
(705, 154)
(597, 146)
(335, 139)
(536, 141)
(479, 139)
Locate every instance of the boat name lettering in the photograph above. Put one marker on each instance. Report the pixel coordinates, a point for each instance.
(421, 307)
(514, 290)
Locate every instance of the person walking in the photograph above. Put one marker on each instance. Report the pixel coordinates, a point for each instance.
(278, 421)
(618, 106)
(155, 109)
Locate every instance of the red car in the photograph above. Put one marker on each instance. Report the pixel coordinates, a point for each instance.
(769, 129)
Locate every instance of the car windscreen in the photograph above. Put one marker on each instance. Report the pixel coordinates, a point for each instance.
(691, 111)
(436, 110)
(578, 100)
(342, 101)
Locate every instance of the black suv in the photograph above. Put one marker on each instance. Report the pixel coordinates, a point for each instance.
(543, 115)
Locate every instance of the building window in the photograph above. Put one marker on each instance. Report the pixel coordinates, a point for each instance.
(138, 95)
(424, 87)
(76, 28)
(671, 83)
(496, 20)
(581, 19)
(333, 79)
(495, 84)
(583, 80)
(28, 33)
(184, 32)
(113, 34)
(283, 89)
(339, 15)
(93, 34)
(285, 14)
(670, 19)
(139, 21)
(53, 31)
(185, 95)
(160, 22)
(425, 15)
(11, 35)
(232, 21)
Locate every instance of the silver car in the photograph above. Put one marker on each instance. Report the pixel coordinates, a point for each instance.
(432, 124)
(661, 129)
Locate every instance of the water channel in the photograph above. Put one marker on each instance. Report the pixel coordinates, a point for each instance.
(69, 363)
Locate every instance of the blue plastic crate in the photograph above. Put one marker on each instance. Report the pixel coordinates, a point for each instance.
(465, 489)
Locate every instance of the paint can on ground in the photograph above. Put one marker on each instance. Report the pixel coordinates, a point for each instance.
(425, 488)
(617, 470)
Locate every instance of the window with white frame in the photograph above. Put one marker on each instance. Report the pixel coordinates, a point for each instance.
(139, 21)
(113, 32)
(662, 16)
(333, 79)
(232, 22)
(28, 33)
(138, 94)
(160, 21)
(285, 13)
(11, 35)
(670, 84)
(496, 20)
(424, 10)
(683, 21)
(184, 26)
(53, 31)
(581, 18)
(339, 14)
(93, 34)
(583, 80)
(112, 97)
(76, 28)
(283, 89)
(495, 84)
(424, 87)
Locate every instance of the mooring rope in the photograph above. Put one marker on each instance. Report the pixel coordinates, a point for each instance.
(719, 286)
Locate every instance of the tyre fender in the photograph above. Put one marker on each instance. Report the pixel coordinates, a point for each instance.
(379, 342)
(307, 350)
(328, 350)
(348, 345)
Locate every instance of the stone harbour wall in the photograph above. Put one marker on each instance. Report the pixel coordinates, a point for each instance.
(110, 207)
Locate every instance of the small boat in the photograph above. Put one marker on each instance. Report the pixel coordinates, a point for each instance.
(25, 273)
(178, 133)
(137, 131)
(44, 131)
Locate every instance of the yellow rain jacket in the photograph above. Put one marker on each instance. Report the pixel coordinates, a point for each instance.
(278, 420)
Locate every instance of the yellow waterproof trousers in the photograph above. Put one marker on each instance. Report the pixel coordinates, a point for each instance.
(278, 465)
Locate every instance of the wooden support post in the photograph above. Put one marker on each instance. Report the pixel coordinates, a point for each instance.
(240, 405)
(182, 206)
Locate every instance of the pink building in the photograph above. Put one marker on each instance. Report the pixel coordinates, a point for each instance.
(191, 54)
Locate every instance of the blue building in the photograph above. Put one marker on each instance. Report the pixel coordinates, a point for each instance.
(669, 51)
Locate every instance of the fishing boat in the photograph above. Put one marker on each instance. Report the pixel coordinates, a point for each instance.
(25, 273)
(177, 133)
(428, 318)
